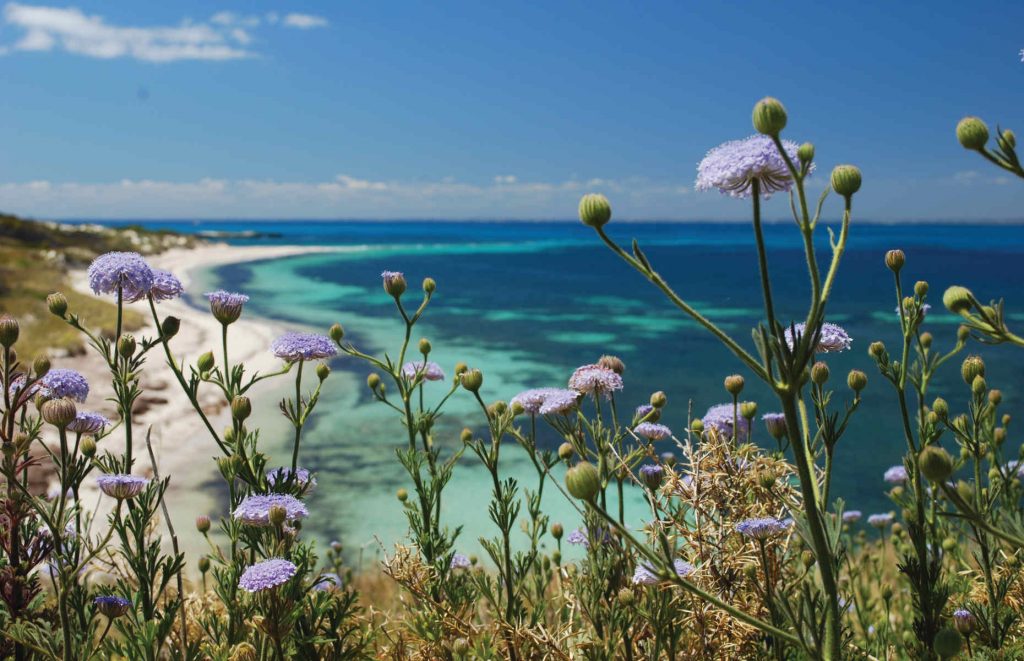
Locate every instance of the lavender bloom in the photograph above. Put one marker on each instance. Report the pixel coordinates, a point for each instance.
(532, 400)
(776, 424)
(460, 561)
(720, 418)
(53, 493)
(112, 606)
(646, 574)
(394, 282)
(581, 537)
(125, 270)
(303, 346)
(122, 487)
(733, 167)
(63, 382)
(267, 574)
(559, 401)
(430, 371)
(964, 621)
(1015, 466)
(226, 306)
(896, 475)
(328, 581)
(652, 431)
(645, 410)
(881, 520)
(301, 479)
(852, 516)
(165, 287)
(832, 338)
(596, 380)
(255, 510)
(652, 475)
(923, 310)
(87, 422)
(762, 528)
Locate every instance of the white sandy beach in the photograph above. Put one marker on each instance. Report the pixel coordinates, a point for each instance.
(183, 447)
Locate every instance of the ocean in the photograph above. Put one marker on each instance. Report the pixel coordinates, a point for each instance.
(528, 302)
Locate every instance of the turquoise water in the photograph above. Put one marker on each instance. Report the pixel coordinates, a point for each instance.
(528, 302)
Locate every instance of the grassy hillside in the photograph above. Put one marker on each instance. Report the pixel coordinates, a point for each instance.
(35, 259)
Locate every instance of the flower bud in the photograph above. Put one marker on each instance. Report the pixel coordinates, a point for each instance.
(1009, 139)
(894, 260)
(626, 597)
(973, 366)
(277, 515)
(229, 435)
(111, 606)
(769, 116)
(595, 210)
(926, 340)
(517, 408)
(497, 409)
(748, 409)
(613, 363)
(40, 366)
(394, 283)
(941, 407)
(88, 447)
(336, 332)
(668, 459)
(126, 345)
(461, 646)
(203, 523)
(652, 476)
(876, 350)
(846, 180)
(169, 327)
(766, 480)
(995, 397)
(935, 463)
(819, 373)
(565, 451)
(807, 558)
(472, 380)
(972, 133)
(9, 330)
(429, 286)
(583, 481)
(203, 564)
(425, 346)
(241, 407)
(205, 362)
(958, 299)
(59, 412)
(557, 530)
(322, 372)
(999, 435)
(697, 426)
(805, 153)
(857, 380)
(58, 304)
(372, 380)
(658, 399)
(734, 384)
(466, 435)
(402, 495)
(947, 643)
(978, 386)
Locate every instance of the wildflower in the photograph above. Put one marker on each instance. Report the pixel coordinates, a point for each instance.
(596, 380)
(762, 528)
(430, 371)
(652, 475)
(559, 401)
(964, 621)
(394, 282)
(301, 478)
(53, 493)
(126, 271)
(721, 417)
(303, 346)
(255, 510)
(63, 382)
(165, 287)
(852, 516)
(832, 338)
(581, 537)
(922, 309)
(734, 166)
(652, 431)
(226, 306)
(460, 561)
(112, 606)
(328, 581)
(87, 422)
(646, 574)
(645, 410)
(267, 574)
(776, 424)
(895, 475)
(122, 487)
(881, 520)
(532, 400)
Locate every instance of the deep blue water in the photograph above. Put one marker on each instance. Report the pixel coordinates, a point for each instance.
(528, 302)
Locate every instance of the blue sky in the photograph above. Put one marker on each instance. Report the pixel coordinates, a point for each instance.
(490, 110)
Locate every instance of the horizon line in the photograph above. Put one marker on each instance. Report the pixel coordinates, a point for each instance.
(681, 221)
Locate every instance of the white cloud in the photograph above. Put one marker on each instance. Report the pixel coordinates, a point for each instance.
(305, 21)
(225, 36)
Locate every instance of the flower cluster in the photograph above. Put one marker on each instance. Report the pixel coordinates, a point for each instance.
(833, 338)
(295, 347)
(734, 166)
(721, 417)
(596, 380)
(267, 574)
(255, 510)
(428, 370)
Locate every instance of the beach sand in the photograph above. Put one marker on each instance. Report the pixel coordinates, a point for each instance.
(184, 449)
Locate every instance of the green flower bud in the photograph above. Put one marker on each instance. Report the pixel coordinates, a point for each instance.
(241, 408)
(497, 409)
(394, 283)
(941, 407)
(947, 643)
(935, 463)
(595, 210)
(88, 447)
(626, 597)
(204, 564)
(819, 373)
(472, 380)
(59, 412)
(466, 435)
(857, 380)
(40, 366)
(429, 286)
(1010, 139)
(958, 299)
(556, 557)
(876, 350)
(126, 345)
(926, 340)
(748, 409)
(373, 380)
(995, 397)
(613, 363)
(978, 386)
(973, 366)
(565, 451)
(583, 481)
(277, 515)
(336, 333)
(962, 333)
(424, 346)
(169, 327)
(734, 384)
(205, 362)
(658, 400)
(229, 435)
(517, 408)
(697, 426)
(461, 646)
(557, 530)
(972, 133)
(402, 495)
(805, 153)
(203, 524)
(894, 260)
(766, 480)
(769, 116)
(846, 180)
(322, 372)
(58, 304)
(920, 288)
(999, 435)
(9, 330)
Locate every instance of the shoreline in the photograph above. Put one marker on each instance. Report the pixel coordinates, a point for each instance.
(182, 446)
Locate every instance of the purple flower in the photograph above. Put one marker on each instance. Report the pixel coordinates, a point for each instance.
(430, 371)
(532, 400)
(762, 528)
(648, 412)
(255, 510)
(303, 346)
(776, 424)
(881, 520)
(923, 310)
(226, 306)
(895, 475)
(852, 516)
(964, 621)
(652, 431)
(302, 478)
(394, 282)
(720, 418)
(460, 561)
(652, 475)
(328, 581)
(733, 167)
(832, 338)
(581, 537)
(63, 382)
(267, 574)
(122, 487)
(596, 380)
(559, 402)
(646, 574)
(87, 422)
(112, 606)
(125, 270)
(1015, 466)
(165, 286)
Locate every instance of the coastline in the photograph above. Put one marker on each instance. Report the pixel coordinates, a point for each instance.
(183, 448)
